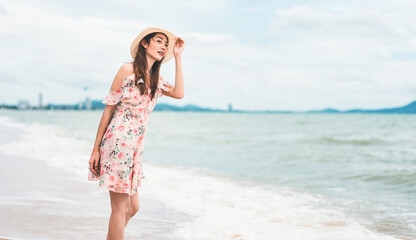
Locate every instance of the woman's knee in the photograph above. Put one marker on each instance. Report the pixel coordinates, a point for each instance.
(134, 204)
(134, 208)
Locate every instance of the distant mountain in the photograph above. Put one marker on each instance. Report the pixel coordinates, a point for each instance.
(409, 108)
(326, 110)
(186, 108)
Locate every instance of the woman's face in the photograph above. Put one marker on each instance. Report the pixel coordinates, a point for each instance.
(158, 47)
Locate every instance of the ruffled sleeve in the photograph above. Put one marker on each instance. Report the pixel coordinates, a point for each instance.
(113, 97)
(162, 86)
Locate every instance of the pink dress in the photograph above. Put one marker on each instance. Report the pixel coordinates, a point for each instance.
(121, 147)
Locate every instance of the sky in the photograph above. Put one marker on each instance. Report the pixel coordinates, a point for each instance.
(255, 55)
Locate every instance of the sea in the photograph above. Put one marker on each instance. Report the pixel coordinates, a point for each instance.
(264, 176)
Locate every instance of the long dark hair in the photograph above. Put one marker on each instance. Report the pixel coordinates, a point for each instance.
(140, 66)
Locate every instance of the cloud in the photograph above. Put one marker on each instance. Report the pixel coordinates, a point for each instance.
(210, 37)
(303, 22)
(255, 56)
(353, 53)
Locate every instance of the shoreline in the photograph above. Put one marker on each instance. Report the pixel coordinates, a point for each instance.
(42, 202)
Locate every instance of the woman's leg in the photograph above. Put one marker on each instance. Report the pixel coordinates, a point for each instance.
(133, 207)
(119, 209)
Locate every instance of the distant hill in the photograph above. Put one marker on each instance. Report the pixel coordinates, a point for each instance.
(186, 108)
(326, 110)
(409, 108)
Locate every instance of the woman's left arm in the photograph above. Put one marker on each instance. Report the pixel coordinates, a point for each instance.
(177, 91)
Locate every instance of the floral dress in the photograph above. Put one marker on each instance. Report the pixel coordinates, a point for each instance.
(121, 147)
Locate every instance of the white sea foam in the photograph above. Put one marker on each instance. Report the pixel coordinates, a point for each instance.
(52, 145)
(8, 122)
(221, 208)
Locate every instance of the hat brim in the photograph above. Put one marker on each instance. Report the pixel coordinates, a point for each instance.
(171, 39)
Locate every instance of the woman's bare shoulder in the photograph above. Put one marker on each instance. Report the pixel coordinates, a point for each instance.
(127, 68)
(124, 71)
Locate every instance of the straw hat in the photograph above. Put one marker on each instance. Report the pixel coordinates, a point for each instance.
(171, 39)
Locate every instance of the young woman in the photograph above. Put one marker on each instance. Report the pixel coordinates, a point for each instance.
(117, 154)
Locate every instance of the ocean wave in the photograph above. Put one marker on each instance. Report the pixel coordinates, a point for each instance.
(368, 141)
(402, 178)
(225, 209)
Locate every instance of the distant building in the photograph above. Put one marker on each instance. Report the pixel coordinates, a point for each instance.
(40, 101)
(230, 107)
(88, 103)
(23, 105)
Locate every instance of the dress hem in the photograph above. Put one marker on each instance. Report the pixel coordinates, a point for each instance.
(108, 187)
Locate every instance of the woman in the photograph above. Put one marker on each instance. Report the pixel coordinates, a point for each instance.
(116, 157)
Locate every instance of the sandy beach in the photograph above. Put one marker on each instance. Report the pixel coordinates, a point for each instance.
(41, 202)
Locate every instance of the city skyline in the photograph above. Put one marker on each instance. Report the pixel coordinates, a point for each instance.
(95, 104)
